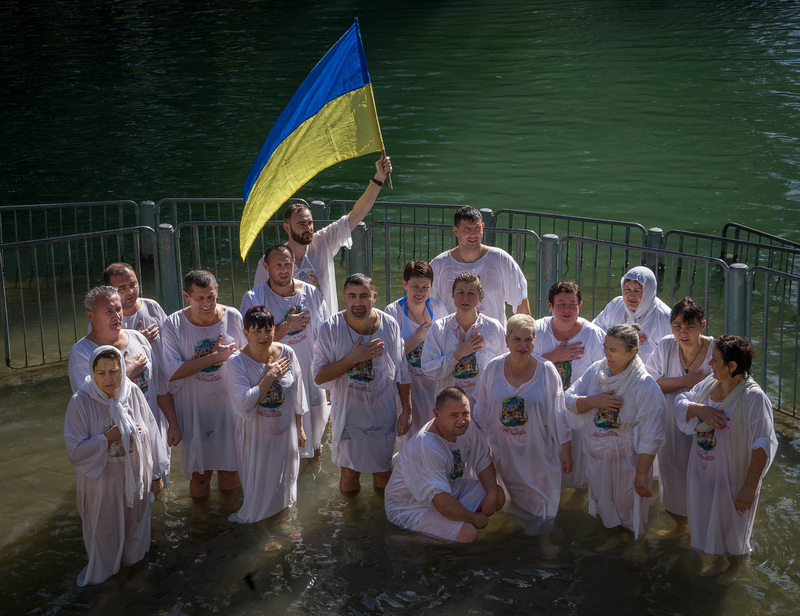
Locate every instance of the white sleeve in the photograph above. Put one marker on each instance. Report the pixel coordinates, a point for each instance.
(324, 350)
(171, 351)
(88, 452)
(650, 417)
(682, 402)
(435, 361)
(242, 395)
(78, 366)
(300, 406)
(656, 364)
(515, 285)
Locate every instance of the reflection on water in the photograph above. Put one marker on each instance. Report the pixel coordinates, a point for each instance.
(330, 554)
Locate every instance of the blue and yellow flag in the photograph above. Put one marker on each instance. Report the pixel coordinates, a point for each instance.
(330, 118)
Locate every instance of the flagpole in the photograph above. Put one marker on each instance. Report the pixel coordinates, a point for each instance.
(388, 177)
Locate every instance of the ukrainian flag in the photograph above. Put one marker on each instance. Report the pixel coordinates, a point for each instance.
(329, 119)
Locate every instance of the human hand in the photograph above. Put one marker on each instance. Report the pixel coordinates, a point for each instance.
(156, 487)
(383, 168)
(404, 423)
(713, 418)
(363, 352)
(301, 437)
(566, 460)
(693, 378)
(606, 401)
(276, 368)
(298, 321)
(468, 347)
(174, 435)
(113, 434)
(479, 520)
(640, 485)
(134, 366)
(222, 352)
(566, 352)
(150, 332)
(744, 500)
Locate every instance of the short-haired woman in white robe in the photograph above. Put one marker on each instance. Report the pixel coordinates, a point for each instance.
(110, 434)
(638, 304)
(519, 404)
(460, 345)
(268, 397)
(730, 417)
(624, 413)
(679, 362)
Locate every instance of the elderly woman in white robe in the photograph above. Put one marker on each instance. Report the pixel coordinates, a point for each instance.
(110, 435)
(638, 304)
(624, 413)
(730, 417)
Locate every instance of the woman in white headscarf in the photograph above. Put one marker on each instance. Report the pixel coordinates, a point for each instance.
(110, 436)
(638, 304)
(624, 412)
(730, 418)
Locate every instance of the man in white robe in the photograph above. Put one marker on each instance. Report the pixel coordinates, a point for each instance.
(314, 252)
(197, 342)
(444, 484)
(359, 355)
(299, 311)
(502, 279)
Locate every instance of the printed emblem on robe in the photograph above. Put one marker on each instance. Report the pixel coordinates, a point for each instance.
(205, 347)
(274, 397)
(141, 381)
(706, 440)
(362, 371)
(512, 412)
(565, 372)
(607, 418)
(466, 367)
(308, 275)
(458, 465)
(415, 356)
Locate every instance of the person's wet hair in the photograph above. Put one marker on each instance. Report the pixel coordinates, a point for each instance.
(564, 286)
(738, 349)
(359, 279)
(690, 310)
(198, 278)
(258, 317)
(628, 333)
(90, 299)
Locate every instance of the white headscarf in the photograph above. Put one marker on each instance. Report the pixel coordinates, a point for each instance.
(645, 277)
(119, 409)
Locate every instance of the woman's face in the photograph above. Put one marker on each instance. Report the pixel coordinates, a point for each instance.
(565, 309)
(719, 369)
(617, 356)
(107, 376)
(520, 342)
(466, 297)
(632, 292)
(687, 334)
(417, 289)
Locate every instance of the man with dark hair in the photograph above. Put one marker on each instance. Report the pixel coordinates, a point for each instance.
(444, 484)
(314, 252)
(359, 355)
(503, 280)
(197, 342)
(299, 311)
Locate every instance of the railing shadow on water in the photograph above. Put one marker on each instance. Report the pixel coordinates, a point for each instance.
(43, 279)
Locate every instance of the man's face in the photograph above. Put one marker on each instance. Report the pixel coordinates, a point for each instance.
(359, 300)
(469, 233)
(452, 419)
(300, 227)
(202, 300)
(280, 266)
(127, 286)
(107, 319)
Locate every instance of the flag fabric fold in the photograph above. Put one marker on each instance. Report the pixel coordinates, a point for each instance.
(331, 118)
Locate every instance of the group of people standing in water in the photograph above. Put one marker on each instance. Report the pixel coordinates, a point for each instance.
(485, 413)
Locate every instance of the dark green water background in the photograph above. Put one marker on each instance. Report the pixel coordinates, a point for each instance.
(681, 114)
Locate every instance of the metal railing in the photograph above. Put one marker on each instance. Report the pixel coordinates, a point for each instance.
(42, 281)
(19, 223)
(42, 284)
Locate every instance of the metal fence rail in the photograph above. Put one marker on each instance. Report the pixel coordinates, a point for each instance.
(783, 258)
(19, 223)
(179, 210)
(774, 329)
(42, 284)
(740, 231)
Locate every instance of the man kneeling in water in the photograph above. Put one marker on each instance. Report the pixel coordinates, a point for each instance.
(444, 484)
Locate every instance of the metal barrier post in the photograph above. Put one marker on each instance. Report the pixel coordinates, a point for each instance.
(168, 263)
(358, 257)
(736, 293)
(147, 218)
(653, 241)
(489, 222)
(549, 274)
(318, 210)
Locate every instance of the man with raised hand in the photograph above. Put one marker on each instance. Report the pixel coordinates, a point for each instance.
(314, 251)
